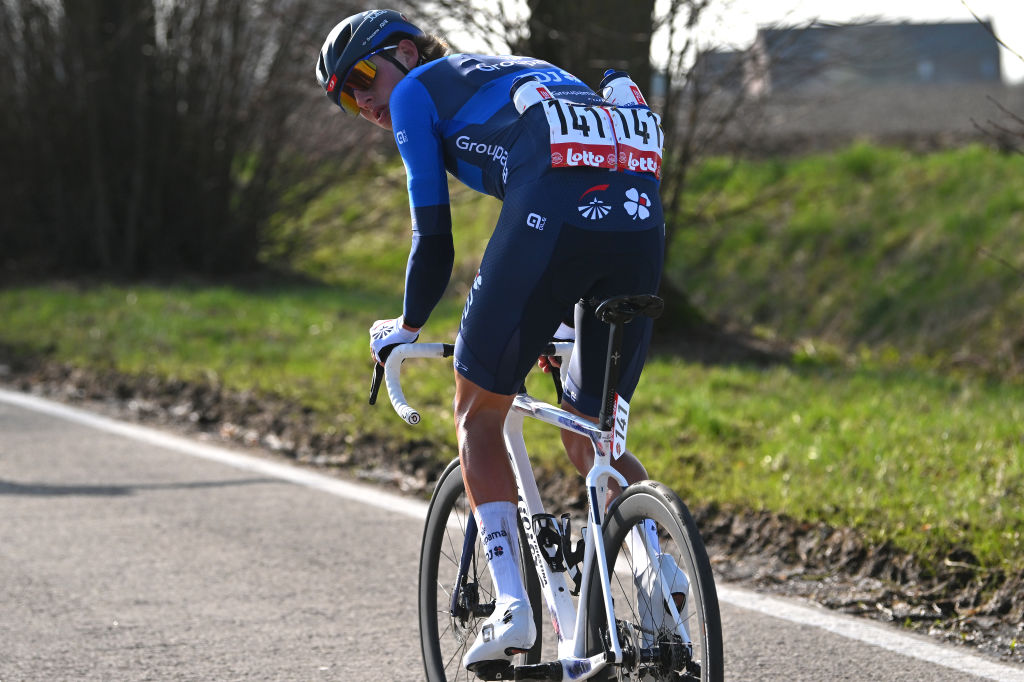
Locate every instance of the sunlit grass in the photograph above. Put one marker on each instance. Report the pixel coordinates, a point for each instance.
(864, 246)
(927, 461)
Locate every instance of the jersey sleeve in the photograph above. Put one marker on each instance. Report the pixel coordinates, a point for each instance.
(414, 119)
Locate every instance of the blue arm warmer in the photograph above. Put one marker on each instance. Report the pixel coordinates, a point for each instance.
(427, 274)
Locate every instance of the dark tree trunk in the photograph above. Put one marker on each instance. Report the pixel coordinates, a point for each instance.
(588, 37)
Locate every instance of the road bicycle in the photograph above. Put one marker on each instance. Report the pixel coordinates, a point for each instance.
(616, 621)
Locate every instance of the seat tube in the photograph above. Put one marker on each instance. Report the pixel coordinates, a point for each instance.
(553, 585)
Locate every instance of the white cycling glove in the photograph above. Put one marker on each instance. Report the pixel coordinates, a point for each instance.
(386, 334)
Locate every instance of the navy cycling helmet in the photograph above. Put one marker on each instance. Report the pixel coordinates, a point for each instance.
(355, 38)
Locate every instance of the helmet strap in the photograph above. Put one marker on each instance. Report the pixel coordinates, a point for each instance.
(401, 67)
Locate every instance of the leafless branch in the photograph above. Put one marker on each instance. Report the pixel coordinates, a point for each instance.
(988, 27)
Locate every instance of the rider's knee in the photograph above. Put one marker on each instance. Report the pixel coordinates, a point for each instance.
(474, 406)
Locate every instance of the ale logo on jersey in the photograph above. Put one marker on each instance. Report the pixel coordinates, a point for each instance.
(595, 209)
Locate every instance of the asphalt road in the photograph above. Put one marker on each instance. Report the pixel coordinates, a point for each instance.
(129, 559)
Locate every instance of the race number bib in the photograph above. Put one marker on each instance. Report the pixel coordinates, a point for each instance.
(640, 140)
(580, 135)
(604, 137)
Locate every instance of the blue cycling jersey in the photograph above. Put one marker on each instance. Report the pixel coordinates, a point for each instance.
(455, 115)
(576, 223)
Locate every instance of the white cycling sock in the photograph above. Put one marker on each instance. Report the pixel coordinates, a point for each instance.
(635, 543)
(500, 540)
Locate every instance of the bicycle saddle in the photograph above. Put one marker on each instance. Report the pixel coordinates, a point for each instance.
(622, 309)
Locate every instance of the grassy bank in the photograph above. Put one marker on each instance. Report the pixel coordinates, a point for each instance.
(868, 248)
(928, 461)
(888, 440)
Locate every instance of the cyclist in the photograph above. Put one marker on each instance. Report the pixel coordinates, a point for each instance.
(564, 234)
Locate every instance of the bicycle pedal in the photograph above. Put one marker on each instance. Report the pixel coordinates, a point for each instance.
(492, 670)
(539, 671)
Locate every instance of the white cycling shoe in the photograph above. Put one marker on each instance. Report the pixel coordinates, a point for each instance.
(508, 631)
(654, 611)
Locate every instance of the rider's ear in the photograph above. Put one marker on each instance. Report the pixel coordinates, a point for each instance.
(408, 53)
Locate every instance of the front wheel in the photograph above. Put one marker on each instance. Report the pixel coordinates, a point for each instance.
(445, 637)
(657, 646)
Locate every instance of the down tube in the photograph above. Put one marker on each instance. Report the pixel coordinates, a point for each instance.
(554, 586)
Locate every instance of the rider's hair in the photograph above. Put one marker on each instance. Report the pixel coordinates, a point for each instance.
(430, 47)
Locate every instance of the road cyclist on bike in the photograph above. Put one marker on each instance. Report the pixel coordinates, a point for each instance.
(581, 220)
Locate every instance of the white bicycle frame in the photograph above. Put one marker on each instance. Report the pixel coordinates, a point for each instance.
(569, 621)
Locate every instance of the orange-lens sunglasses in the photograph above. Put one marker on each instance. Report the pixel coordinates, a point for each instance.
(360, 77)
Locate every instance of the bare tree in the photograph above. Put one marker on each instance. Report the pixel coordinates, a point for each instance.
(498, 27)
(587, 38)
(148, 135)
(1008, 134)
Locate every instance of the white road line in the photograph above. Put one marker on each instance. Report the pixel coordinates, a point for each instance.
(870, 632)
(857, 629)
(238, 460)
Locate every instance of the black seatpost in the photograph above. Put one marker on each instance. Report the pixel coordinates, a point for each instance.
(611, 376)
(616, 312)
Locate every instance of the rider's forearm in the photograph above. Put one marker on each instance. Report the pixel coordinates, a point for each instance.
(427, 275)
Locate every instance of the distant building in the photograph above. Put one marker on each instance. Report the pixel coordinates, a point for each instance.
(722, 69)
(822, 58)
(813, 87)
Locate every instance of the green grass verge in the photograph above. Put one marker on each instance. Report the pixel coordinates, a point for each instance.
(925, 460)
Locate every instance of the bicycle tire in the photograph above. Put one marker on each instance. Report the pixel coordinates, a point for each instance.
(678, 534)
(443, 639)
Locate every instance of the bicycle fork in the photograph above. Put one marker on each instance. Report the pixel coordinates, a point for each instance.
(465, 601)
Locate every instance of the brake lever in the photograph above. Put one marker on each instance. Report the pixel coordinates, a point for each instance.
(556, 374)
(378, 376)
(557, 379)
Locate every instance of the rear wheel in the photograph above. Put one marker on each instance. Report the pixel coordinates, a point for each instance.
(656, 646)
(444, 637)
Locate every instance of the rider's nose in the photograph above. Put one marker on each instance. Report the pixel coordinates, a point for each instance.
(363, 98)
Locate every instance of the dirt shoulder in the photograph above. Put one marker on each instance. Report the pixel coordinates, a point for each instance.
(958, 602)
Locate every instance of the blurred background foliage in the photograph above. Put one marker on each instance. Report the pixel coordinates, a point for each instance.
(159, 138)
(149, 137)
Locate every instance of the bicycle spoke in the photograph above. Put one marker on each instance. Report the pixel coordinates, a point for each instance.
(456, 658)
(651, 638)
